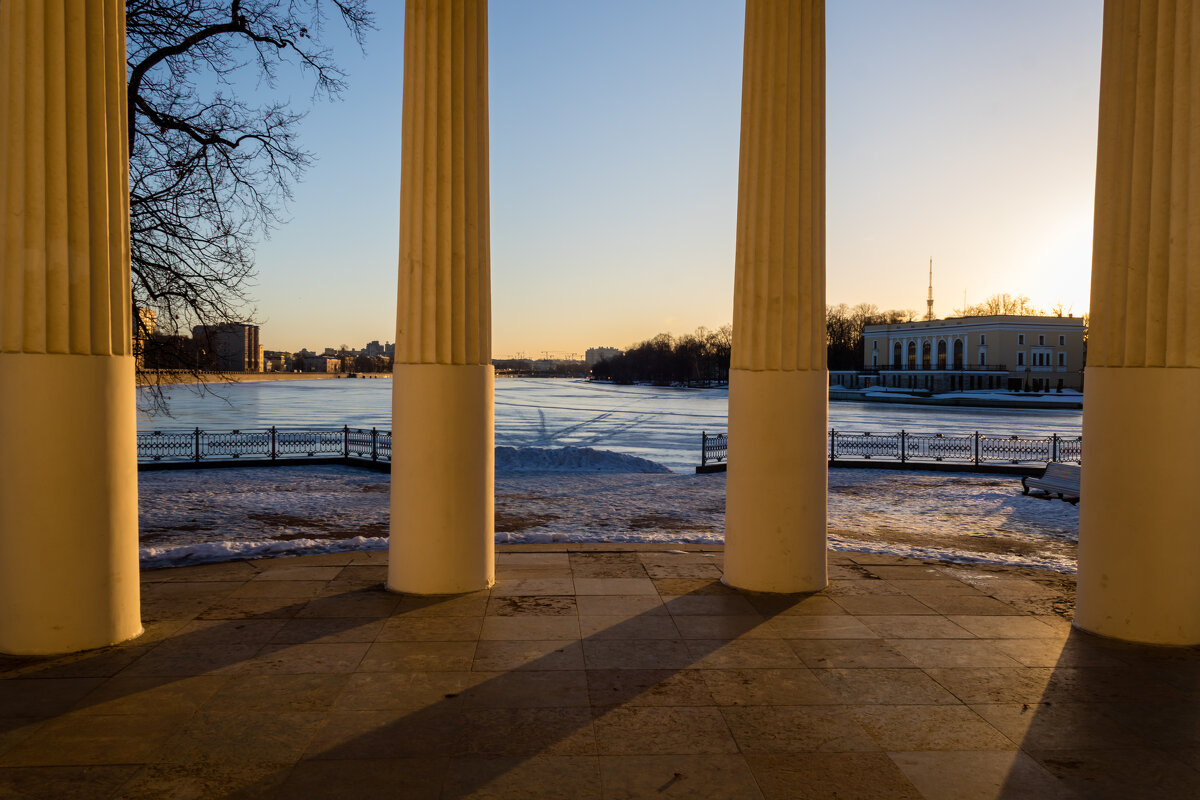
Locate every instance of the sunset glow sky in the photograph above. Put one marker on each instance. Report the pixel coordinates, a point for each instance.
(961, 131)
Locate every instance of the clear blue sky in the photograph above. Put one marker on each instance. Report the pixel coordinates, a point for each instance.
(961, 131)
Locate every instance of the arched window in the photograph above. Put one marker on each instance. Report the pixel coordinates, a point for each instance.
(958, 354)
(897, 356)
(942, 354)
(926, 359)
(912, 355)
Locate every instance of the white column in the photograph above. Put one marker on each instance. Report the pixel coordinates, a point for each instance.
(442, 539)
(1139, 537)
(68, 459)
(778, 384)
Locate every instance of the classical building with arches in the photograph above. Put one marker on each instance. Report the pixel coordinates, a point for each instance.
(1018, 353)
(68, 526)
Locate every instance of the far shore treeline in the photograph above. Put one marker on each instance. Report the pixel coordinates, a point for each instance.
(702, 358)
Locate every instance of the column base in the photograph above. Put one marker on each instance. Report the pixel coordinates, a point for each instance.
(776, 481)
(1139, 512)
(442, 497)
(68, 503)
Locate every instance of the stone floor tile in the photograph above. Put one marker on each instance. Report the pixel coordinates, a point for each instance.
(529, 628)
(436, 731)
(1073, 652)
(716, 604)
(298, 659)
(527, 732)
(915, 627)
(273, 570)
(254, 608)
(647, 687)
(903, 571)
(300, 589)
(527, 689)
(703, 777)
(722, 627)
(988, 775)
(973, 685)
(506, 573)
(276, 692)
(340, 779)
(960, 604)
(877, 686)
(76, 740)
(1133, 772)
(796, 729)
(131, 694)
(863, 604)
(533, 587)
(228, 782)
(820, 627)
(674, 587)
(57, 783)
(693, 571)
(405, 691)
(1057, 726)
(500, 656)
(937, 586)
(614, 586)
(619, 606)
(418, 657)
(904, 728)
(458, 605)
(507, 778)
(989, 627)
(203, 632)
(103, 663)
(636, 654)
(430, 629)
(848, 653)
(363, 573)
(534, 559)
(745, 653)
(952, 653)
(547, 606)
(849, 588)
(831, 776)
(771, 687)
(629, 570)
(330, 630)
(648, 626)
(181, 658)
(211, 737)
(368, 603)
(662, 730)
(15, 730)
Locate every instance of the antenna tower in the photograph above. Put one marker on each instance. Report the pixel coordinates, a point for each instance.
(929, 300)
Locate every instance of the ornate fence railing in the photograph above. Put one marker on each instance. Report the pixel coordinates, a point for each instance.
(903, 446)
(264, 444)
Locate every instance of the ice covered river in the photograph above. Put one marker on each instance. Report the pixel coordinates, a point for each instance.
(661, 424)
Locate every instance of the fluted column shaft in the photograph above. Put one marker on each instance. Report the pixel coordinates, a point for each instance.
(68, 498)
(1139, 551)
(775, 509)
(442, 482)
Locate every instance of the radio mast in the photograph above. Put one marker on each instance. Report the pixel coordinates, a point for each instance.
(929, 301)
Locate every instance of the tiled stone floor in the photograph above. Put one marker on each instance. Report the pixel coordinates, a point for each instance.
(596, 672)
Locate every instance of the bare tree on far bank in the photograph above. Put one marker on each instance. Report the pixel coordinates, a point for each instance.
(210, 171)
(695, 359)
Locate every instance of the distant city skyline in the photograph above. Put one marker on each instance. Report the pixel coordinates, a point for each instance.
(961, 132)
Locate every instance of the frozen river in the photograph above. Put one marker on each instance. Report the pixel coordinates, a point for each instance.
(661, 424)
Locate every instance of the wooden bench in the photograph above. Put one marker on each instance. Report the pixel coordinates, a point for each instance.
(1059, 480)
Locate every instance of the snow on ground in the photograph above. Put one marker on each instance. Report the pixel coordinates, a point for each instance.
(194, 516)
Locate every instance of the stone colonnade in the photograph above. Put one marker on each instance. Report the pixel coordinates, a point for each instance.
(68, 464)
(1139, 531)
(68, 551)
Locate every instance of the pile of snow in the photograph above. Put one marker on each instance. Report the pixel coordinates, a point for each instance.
(570, 459)
(209, 552)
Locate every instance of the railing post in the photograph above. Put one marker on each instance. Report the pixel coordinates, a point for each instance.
(374, 445)
(345, 441)
(1054, 447)
(977, 448)
(703, 448)
(903, 454)
(196, 445)
(273, 443)
(832, 444)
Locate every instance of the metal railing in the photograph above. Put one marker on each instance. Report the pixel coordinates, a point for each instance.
(269, 444)
(967, 448)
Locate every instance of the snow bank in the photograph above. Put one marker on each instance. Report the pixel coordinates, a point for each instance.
(208, 552)
(570, 459)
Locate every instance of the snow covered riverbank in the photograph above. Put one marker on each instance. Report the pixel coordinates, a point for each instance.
(593, 496)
